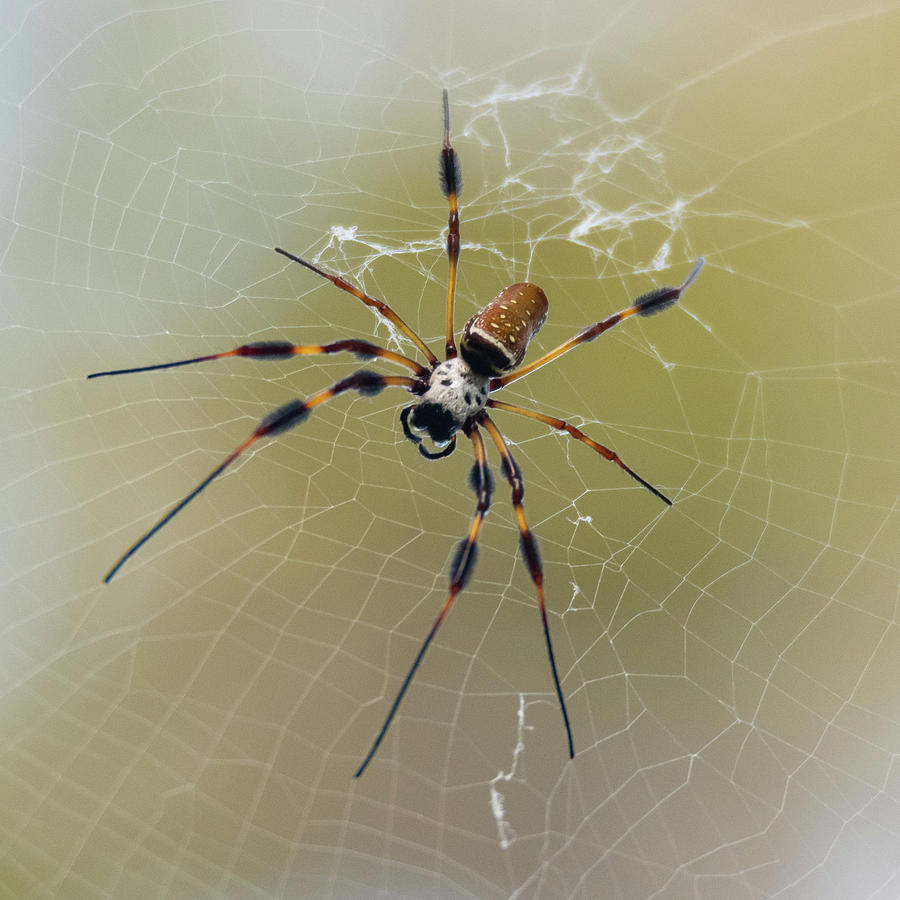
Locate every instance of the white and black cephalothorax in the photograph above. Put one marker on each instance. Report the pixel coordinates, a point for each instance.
(451, 397)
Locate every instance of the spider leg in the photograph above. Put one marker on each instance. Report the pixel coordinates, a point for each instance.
(460, 572)
(530, 553)
(283, 350)
(451, 184)
(280, 420)
(378, 305)
(578, 434)
(646, 305)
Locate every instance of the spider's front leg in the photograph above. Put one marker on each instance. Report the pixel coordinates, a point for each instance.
(531, 555)
(481, 482)
(282, 419)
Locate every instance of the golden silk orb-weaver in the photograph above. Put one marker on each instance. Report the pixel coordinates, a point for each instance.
(452, 396)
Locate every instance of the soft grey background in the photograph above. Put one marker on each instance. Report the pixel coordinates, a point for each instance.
(731, 663)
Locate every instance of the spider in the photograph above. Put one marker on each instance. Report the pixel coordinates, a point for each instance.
(452, 396)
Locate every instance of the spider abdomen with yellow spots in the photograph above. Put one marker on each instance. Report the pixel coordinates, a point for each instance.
(495, 339)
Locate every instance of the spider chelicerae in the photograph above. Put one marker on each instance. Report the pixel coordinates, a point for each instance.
(452, 396)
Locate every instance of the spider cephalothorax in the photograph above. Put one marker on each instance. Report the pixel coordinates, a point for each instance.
(493, 342)
(451, 397)
(455, 394)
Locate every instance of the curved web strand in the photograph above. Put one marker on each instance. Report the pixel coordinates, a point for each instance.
(481, 483)
(282, 419)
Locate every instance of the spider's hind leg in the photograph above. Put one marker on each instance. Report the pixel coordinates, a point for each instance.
(379, 306)
(451, 185)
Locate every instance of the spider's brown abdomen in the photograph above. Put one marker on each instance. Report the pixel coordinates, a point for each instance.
(495, 339)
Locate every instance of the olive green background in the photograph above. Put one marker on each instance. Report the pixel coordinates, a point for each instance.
(730, 663)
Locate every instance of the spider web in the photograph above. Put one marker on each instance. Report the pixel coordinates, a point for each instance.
(730, 663)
